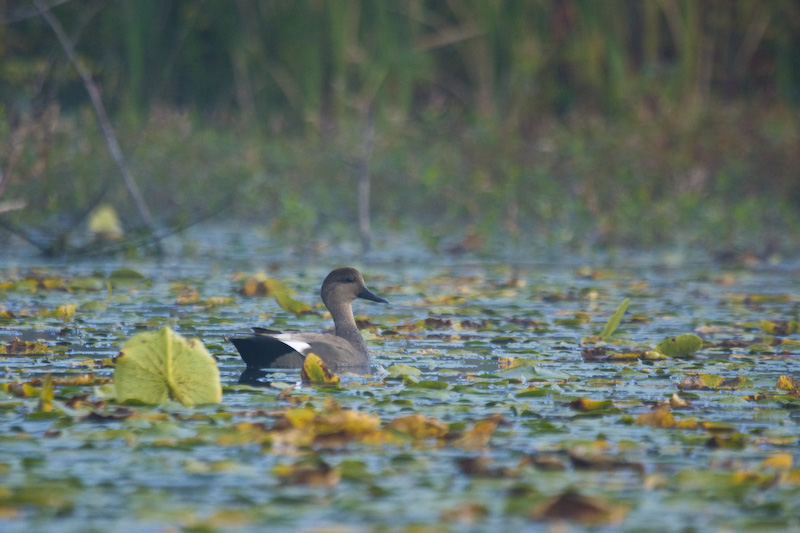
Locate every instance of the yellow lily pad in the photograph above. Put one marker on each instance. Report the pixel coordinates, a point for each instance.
(156, 366)
(788, 383)
(316, 371)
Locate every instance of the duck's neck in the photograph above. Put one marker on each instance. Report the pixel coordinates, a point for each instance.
(346, 327)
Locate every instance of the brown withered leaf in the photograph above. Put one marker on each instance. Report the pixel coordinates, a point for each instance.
(589, 405)
(546, 461)
(712, 382)
(734, 441)
(659, 417)
(473, 324)
(788, 383)
(732, 343)
(315, 472)
(83, 379)
(602, 462)
(120, 413)
(573, 507)
(438, 323)
(593, 354)
(315, 370)
(19, 347)
(676, 401)
(480, 434)
(524, 322)
(481, 467)
(418, 426)
(466, 513)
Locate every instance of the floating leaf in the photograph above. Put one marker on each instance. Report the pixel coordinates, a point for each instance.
(156, 366)
(587, 404)
(779, 327)
(399, 370)
(788, 383)
(574, 322)
(594, 354)
(713, 382)
(314, 472)
(735, 441)
(503, 340)
(658, 418)
(432, 384)
(480, 434)
(781, 461)
(535, 392)
(64, 312)
(316, 370)
(685, 344)
(418, 426)
(614, 321)
(26, 348)
(625, 357)
(584, 510)
(126, 276)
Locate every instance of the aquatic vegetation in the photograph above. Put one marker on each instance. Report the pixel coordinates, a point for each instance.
(492, 403)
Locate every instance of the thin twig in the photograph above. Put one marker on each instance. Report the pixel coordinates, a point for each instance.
(102, 117)
(367, 137)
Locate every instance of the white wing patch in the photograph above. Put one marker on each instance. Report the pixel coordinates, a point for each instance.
(293, 343)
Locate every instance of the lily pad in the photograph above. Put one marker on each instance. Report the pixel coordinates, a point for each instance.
(680, 345)
(399, 370)
(316, 371)
(156, 366)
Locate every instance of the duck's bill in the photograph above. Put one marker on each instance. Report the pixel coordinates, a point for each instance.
(368, 295)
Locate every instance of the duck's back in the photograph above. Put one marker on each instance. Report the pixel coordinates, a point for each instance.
(288, 350)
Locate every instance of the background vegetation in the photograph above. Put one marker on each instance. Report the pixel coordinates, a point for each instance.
(570, 122)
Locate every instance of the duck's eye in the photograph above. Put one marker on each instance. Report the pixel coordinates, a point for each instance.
(349, 280)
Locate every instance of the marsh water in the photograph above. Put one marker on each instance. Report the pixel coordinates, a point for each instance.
(459, 320)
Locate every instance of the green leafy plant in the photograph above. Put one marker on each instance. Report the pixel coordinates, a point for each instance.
(614, 321)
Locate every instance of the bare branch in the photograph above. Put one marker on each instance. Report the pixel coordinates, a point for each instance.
(102, 116)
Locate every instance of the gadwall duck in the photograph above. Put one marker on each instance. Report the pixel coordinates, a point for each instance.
(346, 348)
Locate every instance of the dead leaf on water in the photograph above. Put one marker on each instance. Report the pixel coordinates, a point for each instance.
(780, 461)
(466, 513)
(26, 348)
(419, 426)
(314, 472)
(658, 418)
(64, 312)
(480, 434)
(589, 405)
(574, 507)
(713, 382)
(788, 383)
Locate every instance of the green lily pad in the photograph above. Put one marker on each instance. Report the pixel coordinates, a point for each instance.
(156, 366)
(685, 344)
(399, 370)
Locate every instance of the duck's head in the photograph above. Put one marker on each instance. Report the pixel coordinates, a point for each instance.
(345, 285)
